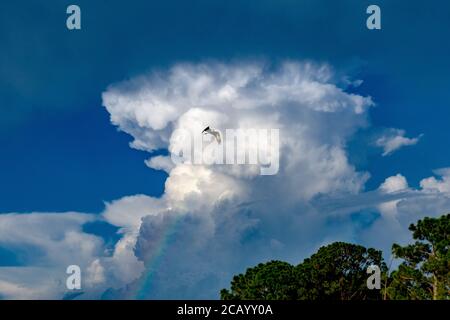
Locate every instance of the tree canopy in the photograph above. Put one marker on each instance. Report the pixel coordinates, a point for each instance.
(425, 270)
(274, 280)
(336, 271)
(339, 271)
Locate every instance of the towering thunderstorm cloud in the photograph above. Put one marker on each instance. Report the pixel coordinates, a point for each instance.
(215, 220)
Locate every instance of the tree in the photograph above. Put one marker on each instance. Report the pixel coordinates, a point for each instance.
(274, 280)
(338, 272)
(425, 271)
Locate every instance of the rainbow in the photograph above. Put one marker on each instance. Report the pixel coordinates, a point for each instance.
(146, 280)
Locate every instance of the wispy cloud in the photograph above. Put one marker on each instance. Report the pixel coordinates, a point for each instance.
(393, 139)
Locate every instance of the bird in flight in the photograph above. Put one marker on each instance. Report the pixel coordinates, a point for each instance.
(215, 133)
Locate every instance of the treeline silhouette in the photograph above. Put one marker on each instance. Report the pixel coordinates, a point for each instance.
(339, 271)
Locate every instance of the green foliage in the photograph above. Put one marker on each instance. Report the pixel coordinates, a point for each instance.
(339, 271)
(273, 280)
(425, 270)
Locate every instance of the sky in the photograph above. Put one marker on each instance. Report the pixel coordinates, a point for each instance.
(86, 118)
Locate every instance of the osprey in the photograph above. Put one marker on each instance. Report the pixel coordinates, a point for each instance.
(213, 132)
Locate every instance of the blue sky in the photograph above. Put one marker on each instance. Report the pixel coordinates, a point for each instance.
(55, 131)
(60, 152)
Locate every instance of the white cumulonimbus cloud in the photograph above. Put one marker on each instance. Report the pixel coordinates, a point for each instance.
(215, 220)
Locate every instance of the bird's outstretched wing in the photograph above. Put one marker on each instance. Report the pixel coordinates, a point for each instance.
(213, 132)
(216, 135)
(206, 130)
